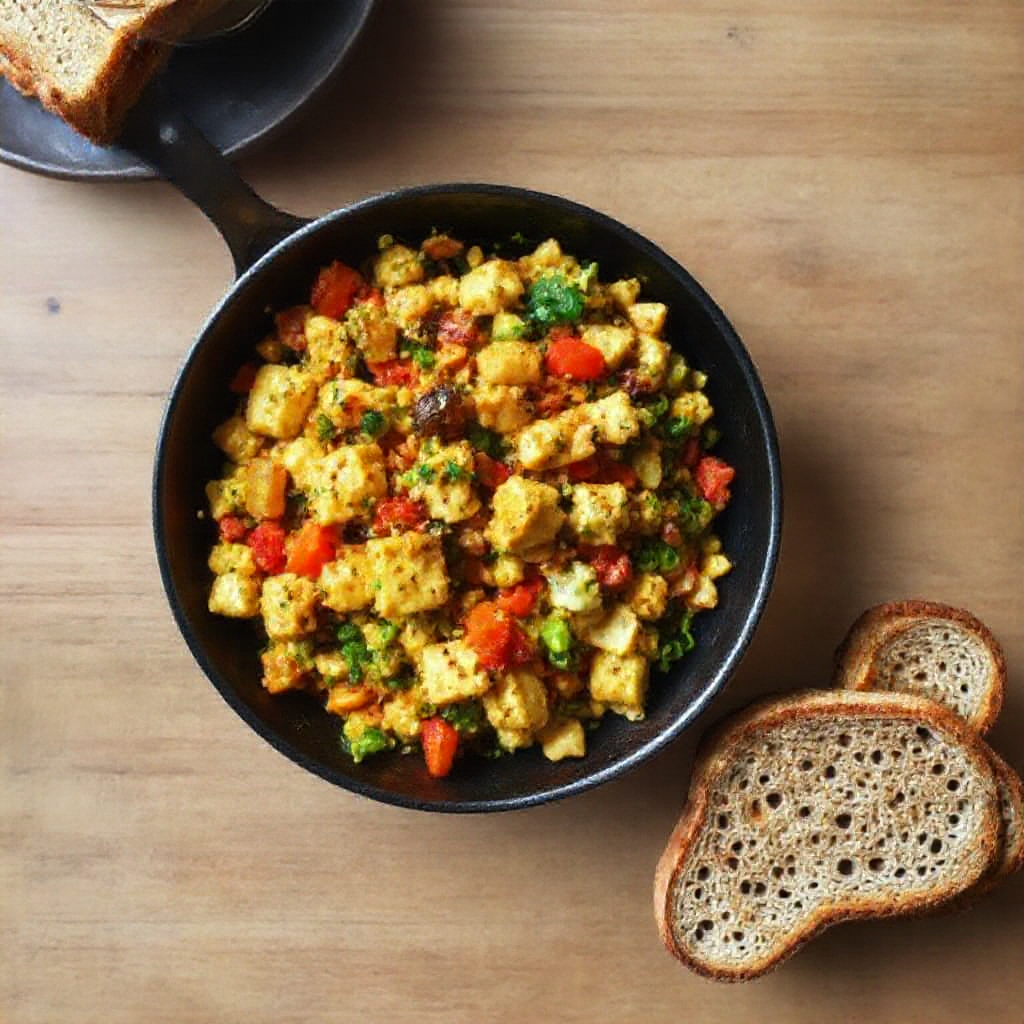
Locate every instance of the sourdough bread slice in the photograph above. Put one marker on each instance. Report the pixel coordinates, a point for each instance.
(1011, 847)
(819, 807)
(927, 648)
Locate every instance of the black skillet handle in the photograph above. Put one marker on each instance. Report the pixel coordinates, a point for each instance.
(158, 132)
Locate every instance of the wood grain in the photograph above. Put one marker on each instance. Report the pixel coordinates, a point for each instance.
(846, 179)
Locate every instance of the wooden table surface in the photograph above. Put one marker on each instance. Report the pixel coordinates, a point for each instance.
(846, 179)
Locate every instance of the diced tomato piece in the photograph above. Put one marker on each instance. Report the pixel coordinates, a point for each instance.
(402, 512)
(489, 633)
(335, 289)
(312, 548)
(232, 529)
(371, 296)
(521, 600)
(585, 469)
(568, 356)
(458, 327)
(612, 565)
(268, 550)
(291, 327)
(671, 534)
(401, 373)
(440, 742)
(521, 649)
(441, 247)
(713, 477)
(613, 472)
(243, 380)
(489, 472)
(690, 455)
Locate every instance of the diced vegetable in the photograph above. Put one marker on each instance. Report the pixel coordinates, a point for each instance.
(713, 477)
(398, 512)
(553, 300)
(232, 528)
(520, 600)
(335, 289)
(567, 356)
(440, 742)
(312, 548)
(371, 741)
(268, 550)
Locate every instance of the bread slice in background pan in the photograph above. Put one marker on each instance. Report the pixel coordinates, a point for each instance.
(819, 807)
(927, 648)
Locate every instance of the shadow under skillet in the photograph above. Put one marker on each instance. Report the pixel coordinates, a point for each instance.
(239, 90)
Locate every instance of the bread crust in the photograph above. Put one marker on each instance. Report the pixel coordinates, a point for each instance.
(854, 664)
(713, 757)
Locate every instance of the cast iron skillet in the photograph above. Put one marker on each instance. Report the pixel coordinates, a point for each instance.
(277, 256)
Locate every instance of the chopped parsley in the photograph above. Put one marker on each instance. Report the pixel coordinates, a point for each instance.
(370, 741)
(372, 423)
(354, 650)
(466, 716)
(553, 300)
(486, 441)
(453, 471)
(324, 428)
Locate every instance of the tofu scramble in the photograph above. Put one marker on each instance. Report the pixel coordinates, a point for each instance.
(469, 500)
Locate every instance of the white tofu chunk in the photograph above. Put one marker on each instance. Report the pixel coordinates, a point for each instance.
(347, 582)
(280, 398)
(490, 288)
(408, 305)
(574, 587)
(288, 606)
(501, 408)
(343, 402)
(225, 557)
(373, 331)
(236, 440)
(616, 631)
(227, 496)
(614, 417)
(518, 700)
(613, 342)
(449, 672)
(396, 266)
(694, 406)
(526, 516)
(625, 293)
(409, 574)
(236, 595)
(509, 362)
(328, 350)
(449, 493)
(652, 356)
(620, 681)
(647, 317)
(565, 438)
(563, 739)
(648, 596)
(346, 483)
(599, 512)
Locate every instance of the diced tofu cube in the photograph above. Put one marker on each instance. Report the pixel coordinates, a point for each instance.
(288, 606)
(407, 306)
(509, 362)
(266, 488)
(280, 398)
(332, 666)
(343, 402)
(615, 419)
(694, 406)
(526, 516)
(328, 350)
(409, 574)
(625, 293)
(231, 558)
(300, 457)
(574, 587)
(518, 700)
(401, 714)
(647, 463)
(490, 288)
(508, 570)
(236, 440)
(648, 596)
(703, 596)
(507, 327)
(501, 408)
(599, 512)
(617, 631)
(547, 256)
(514, 739)
(647, 317)
(373, 331)
(396, 266)
(444, 290)
(449, 494)
(620, 681)
(236, 595)
(346, 483)
(227, 496)
(285, 666)
(652, 356)
(563, 739)
(613, 342)
(715, 565)
(343, 700)
(416, 635)
(559, 441)
(347, 582)
(449, 672)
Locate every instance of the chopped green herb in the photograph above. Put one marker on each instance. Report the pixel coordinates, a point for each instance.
(485, 440)
(349, 632)
(425, 473)
(466, 716)
(372, 422)
(694, 514)
(453, 472)
(676, 429)
(656, 554)
(553, 300)
(422, 356)
(399, 683)
(372, 741)
(324, 428)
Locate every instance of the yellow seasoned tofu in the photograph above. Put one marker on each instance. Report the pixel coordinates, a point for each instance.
(227, 496)
(508, 327)
(518, 700)
(565, 438)
(280, 398)
(401, 714)
(227, 557)
(444, 290)
(612, 341)
(616, 631)
(409, 574)
(620, 681)
(490, 288)
(647, 463)
(652, 357)
(236, 440)
(559, 740)
(285, 665)
(547, 256)
(236, 595)
(288, 606)
(514, 739)
(509, 362)
(648, 596)
(526, 516)
(300, 458)
(343, 402)
(614, 418)
(396, 266)
(574, 587)
(624, 293)
(328, 349)
(347, 582)
(450, 672)
(694, 406)
(416, 635)
(599, 512)
(508, 570)
(373, 331)
(346, 483)
(408, 305)
(448, 490)
(647, 317)
(501, 408)
(704, 595)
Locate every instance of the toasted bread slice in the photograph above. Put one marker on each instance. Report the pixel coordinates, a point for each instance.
(930, 649)
(820, 807)
(1011, 804)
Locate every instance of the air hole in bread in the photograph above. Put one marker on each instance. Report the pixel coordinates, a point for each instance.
(953, 785)
(876, 756)
(938, 768)
(737, 847)
(936, 846)
(764, 779)
(703, 872)
(806, 765)
(804, 812)
(732, 863)
(784, 894)
(844, 739)
(876, 863)
(773, 800)
(924, 733)
(845, 867)
(723, 821)
(830, 772)
(745, 887)
(843, 820)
